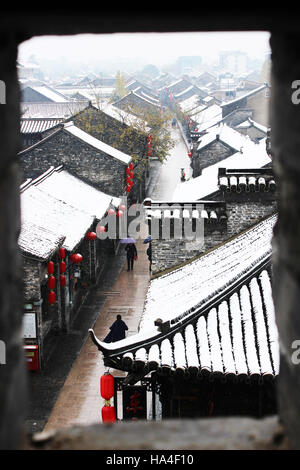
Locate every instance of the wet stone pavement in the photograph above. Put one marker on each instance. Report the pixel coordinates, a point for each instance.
(67, 391)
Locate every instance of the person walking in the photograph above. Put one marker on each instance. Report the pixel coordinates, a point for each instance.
(117, 331)
(131, 255)
(149, 254)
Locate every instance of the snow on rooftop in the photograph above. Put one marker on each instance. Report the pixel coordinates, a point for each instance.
(43, 210)
(71, 190)
(38, 240)
(207, 117)
(125, 117)
(226, 134)
(97, 144)
(253, 156)
(49, 93)
(171, 295)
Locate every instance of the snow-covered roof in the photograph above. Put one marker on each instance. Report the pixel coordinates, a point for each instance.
(189, 104)
(51, 110)
(250, 123)
(37, 125)
(71, 190)
(245, 95)
(70, 128)
(253, 156)
(41, 209)
(124, 117)
(50, 93)
(207, 117)
(225, 134)
(58, 208)
(218, 310)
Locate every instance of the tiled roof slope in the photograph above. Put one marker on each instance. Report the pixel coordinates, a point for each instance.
(217, 315)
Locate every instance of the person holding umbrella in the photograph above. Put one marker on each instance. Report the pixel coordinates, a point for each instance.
(149, 251)
(131, 255)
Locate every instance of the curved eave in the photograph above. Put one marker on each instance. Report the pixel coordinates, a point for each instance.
(114, 352)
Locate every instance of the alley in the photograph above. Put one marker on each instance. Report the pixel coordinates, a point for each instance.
(79, 401)
(169, 175)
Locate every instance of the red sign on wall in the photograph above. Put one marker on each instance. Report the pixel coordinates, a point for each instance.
(134, 403)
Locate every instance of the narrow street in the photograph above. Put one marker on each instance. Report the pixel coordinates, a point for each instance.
(79, 400)
(169, 176)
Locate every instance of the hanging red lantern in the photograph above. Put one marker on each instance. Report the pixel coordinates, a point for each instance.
(51, 282)
(107, 386)
(62, 253)
(196, 130)
(51, 297)
(91, 236)
(110, 212)
(130, 184)
(119, 213)
(130, 166)
(128, 188)
(76, 258)
(108, 414)
(122, 207)
(127, 171)
(131, 175)
(190, 154)
(149, 153)
(50, 267)
(100, 229)
(62, 280)
(128, 179)
(62, 267)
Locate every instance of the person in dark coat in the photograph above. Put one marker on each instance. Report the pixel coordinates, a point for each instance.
(117, 331)
(131, 254)
(149, 254)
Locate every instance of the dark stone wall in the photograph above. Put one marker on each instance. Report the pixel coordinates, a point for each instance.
(211, 154)
(167, 254)
(94, 167)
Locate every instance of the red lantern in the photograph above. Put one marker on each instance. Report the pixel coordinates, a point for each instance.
(119, 213)
(122, 207)
(110, 212)
(149, 152)
(62, 253)
(196, 130)
(108, 414)
(51, 282)
(62, 280)
(190, 154)
(91, 236)
(130, 166)
(131, 175)
(62, 267)
(127, 171)
(130, 184)
(107, 386)
(50, 267)
(76, 258)
(128, 188)
(149, 144)
(128, 179)
(101, 229)
(150, 137)
(51, 297)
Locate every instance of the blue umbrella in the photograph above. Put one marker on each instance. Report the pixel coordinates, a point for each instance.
(127, 240)
(148, 239)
